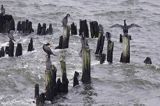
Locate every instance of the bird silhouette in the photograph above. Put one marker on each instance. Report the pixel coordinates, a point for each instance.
(65, 20)
(125, 27)
(47, 49)
(2, 10)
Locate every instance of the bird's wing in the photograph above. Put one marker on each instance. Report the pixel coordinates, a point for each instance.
(133, 25)
(117, 25)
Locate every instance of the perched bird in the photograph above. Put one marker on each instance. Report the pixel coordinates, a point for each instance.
(65, 20)
(125, 27)
(47, 49)
(10, 35)
(2, 10)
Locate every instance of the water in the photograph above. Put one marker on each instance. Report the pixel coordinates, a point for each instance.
(134, 84)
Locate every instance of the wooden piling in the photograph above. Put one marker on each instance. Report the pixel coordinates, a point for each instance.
(60, 43)
(49, 30)
(148, 60)
(84, 28)
(73, 29)
(94, 29)
(30, 45)
(50, 76)
(18, 50)
(75, 79)
(86, 65)
(100, 44)
(39, 28)
(102, 58)
(11, 49)
(36, 95)
(66, 36)
(2, 52)
(125, 55)
(65, 80)
(110, 47)
(43, 31)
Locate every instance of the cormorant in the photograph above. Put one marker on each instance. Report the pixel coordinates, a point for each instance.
(48, 50)
(125, 27)
(2, 10)
(65, 20)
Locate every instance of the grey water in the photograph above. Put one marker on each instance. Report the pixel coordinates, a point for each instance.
(117, 84)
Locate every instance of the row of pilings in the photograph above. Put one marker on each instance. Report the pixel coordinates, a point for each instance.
(11, 51)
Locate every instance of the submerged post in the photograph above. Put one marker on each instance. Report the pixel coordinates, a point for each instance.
(64, 75)
(86, 64)
(125, 55)
(110, 47)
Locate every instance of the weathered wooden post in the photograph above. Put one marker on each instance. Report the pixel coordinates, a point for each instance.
(110, 47)
(43, 31)
(84, 28)
(100, 44)
(7, 50)
(19, 26)
(40, 100)
(75, 79)
(30, 45)
(39, 29)
(2, 52)
(18, 50)
(120, 38)
(59, 86)
(108, 36)
(50, 30)
(64, 75)
(60, 43)
(66, 36)
(86, 64)
(102, 58)
(11, 49)
(51, 83)
(73, 29)
(148, 60)
(36, 95)
(125, 55)
(94, 29)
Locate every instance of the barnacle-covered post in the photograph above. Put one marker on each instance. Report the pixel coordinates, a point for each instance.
(125, 55)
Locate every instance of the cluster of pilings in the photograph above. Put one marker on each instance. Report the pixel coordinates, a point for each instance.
(43, 30)
(64, 39)
(7, 23)
(25, 27)
(54, 87)
(10, 50)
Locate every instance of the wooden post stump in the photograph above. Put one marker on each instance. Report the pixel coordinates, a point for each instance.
(102, 58)
(148, 60)
(18, 50)
(94, 29)
(86, 65)
(30, 45)
(125, 55)
(2, 52)
(110, 47)
(60, 43)
(39, 29)
(50, 30)
(73, 29)
(75, 79)
(50, 76)
(66, 36)
(11, 49)
(100, 44)
(36, 91)
(84, 28)
(64, 75)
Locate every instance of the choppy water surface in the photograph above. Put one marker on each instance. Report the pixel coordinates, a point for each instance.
(118, 84)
